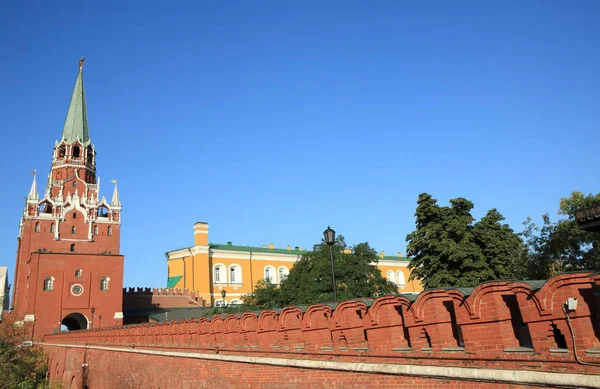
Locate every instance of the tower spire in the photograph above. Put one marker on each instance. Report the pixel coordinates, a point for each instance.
(33, 193)
(115, 202)
(76, 123)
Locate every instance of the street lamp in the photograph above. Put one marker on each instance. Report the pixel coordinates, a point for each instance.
(329, 236)
(223, 294)
(92, 321)
(99, 321)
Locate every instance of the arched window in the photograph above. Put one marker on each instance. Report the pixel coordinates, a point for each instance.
(219, 276)
(109, 231)
(72, 247)
(74, 213)
(401, 279)
(52, 227)
(104, 283)
(270, 275)
(391, 277)
(220, 303)
(73, 230)
(37, 227)
(95, 230)
(78, 273)
(76, 151)
(235, 274)
(74, 184)
(102, 211)
(282, 272)
(48, 283)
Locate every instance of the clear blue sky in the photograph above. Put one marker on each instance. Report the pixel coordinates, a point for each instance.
(271, 120)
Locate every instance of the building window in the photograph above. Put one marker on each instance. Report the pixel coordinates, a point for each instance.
(235, 274)
(282, 272)
(219, 274)
(74, 184)
(72, 247)
(78, 273)
(95, 230)
(52, 227)
(76, 152)
(270, 275)
(37, 227)
(74, 213)
(219, 303)
(391, 277)
(48, 283)
(401, 279)
(73, 230)
(104, 283)
(109, 231)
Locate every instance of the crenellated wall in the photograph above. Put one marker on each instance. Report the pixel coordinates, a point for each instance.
(499, 333)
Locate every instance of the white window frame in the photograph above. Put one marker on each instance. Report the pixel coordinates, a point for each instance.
(401, 278)
(271, 278)
(105, 283)
(222, 274)
(391, 276)
(48, 283)
(283, 276)
(237, 274)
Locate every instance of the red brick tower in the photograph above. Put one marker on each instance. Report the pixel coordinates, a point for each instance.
(69, 269)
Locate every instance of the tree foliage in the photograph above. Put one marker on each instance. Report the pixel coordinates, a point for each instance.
(310, 280)
(447, 249)
(20, 367)
(556, 247)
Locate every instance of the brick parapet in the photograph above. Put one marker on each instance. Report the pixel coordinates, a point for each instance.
(507, 325)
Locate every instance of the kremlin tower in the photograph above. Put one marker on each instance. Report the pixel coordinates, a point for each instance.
(69, 270)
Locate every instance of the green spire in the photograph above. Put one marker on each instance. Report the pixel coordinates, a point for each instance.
(76, 124)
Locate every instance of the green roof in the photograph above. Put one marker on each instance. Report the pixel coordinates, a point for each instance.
(255, 249)
(295, 251)
(76, 123)
(172, 281)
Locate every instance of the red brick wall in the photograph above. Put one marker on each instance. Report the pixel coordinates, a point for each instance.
(479, 331)
(117, 370)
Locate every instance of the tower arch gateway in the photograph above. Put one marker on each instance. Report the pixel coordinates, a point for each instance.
(60, 227)
(74, 322)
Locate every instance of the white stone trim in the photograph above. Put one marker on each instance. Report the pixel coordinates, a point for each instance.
(118, 315)
(29, 318)
(512, 376)
(228, 294)
(199, 249)
(229, 254)
(200, 232)
(391, 262)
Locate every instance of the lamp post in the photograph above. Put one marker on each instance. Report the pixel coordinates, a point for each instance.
(329, 236)
(92, 321)
(223, 294)
(99, 321)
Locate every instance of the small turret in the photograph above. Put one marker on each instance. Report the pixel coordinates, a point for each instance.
(33, 193)
(115, 202)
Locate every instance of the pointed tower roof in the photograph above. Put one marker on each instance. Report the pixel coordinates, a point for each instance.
(33, 193)
(76, 124)
(115, 197)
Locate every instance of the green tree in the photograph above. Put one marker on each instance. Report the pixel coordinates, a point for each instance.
(310, 281)
(560, 246)
(22, 367)
(448, 250)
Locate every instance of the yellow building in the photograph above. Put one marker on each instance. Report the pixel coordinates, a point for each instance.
(208, 268)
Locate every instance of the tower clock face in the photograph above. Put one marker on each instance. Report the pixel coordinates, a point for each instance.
(76, 290)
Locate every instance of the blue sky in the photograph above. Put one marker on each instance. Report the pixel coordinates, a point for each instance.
(271, 120)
